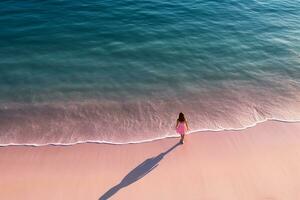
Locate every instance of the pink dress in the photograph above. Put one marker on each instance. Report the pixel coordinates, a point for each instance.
(181, 128)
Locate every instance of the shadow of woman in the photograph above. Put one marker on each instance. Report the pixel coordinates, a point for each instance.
(137, 173)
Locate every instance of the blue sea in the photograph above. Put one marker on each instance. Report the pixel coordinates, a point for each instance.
(121, 71)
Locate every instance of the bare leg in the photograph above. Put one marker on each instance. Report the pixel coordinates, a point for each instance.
(182, 138)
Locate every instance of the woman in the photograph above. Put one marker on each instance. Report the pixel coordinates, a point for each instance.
(181, 126)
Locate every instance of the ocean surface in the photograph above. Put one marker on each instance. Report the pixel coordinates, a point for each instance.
(121, 71)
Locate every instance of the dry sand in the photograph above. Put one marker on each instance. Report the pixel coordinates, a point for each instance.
(259, 163)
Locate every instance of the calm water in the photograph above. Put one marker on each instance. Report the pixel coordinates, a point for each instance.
(120, 71)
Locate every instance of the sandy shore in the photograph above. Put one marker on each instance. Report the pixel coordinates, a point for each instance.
(262, 162)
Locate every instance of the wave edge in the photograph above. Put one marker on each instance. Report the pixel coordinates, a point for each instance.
(151, 140)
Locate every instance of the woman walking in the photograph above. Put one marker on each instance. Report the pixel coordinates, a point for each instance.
(181, 126)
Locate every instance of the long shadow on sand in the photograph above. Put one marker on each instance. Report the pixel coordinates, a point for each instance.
(137, 173)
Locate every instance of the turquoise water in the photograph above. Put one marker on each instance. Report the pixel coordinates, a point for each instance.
(120, 71)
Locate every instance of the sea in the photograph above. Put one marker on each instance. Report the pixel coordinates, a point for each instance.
(118, 72)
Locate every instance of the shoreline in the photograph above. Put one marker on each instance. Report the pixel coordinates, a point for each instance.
(200, 131)
(262, 162)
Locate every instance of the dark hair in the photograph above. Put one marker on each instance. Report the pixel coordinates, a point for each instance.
(181, 117)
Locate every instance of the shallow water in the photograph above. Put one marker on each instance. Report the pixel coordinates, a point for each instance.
(120, 72)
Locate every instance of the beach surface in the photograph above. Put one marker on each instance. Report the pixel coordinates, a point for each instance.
(261, 162)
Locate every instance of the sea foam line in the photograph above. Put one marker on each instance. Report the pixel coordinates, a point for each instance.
(150, 140)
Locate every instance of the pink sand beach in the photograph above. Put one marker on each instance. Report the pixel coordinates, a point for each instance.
(259, 163)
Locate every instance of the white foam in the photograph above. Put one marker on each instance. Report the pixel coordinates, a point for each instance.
(149, 140)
